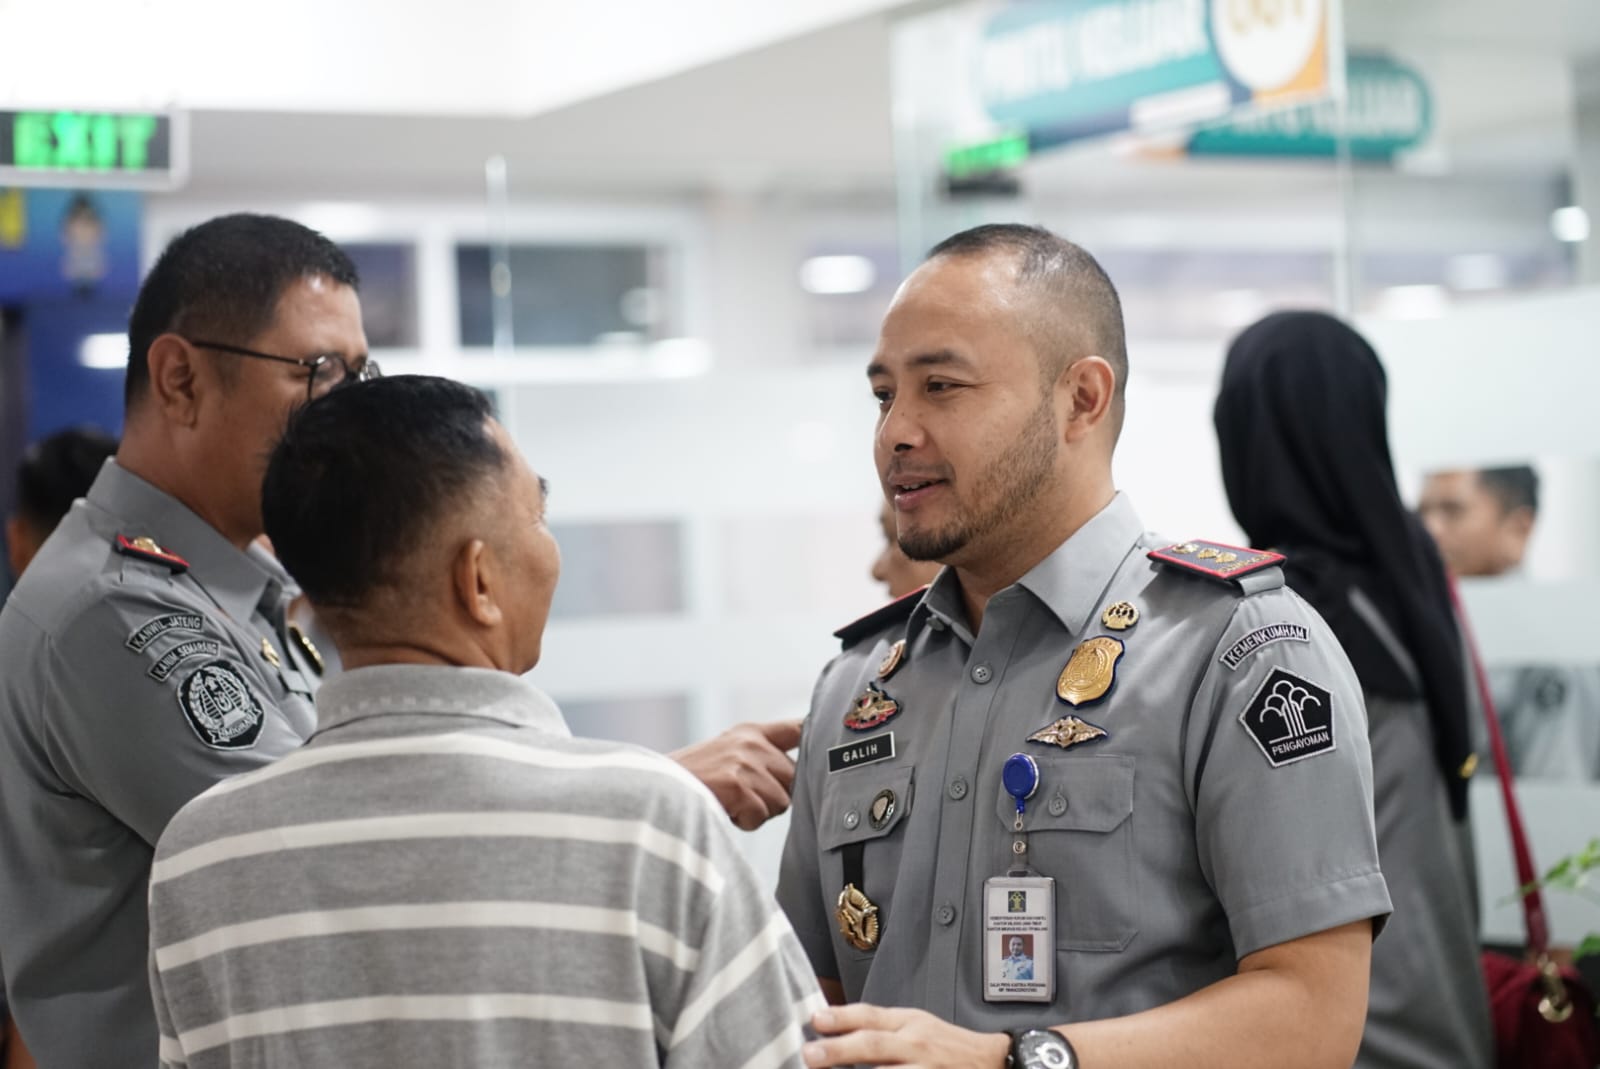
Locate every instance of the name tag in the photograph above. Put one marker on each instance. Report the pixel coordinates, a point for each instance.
(861, 752)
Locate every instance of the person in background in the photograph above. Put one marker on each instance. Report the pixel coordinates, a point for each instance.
(1549, 713)
(54, 473)
(1301, 426)
(1481, 519)
(442, 875)
(899, 574)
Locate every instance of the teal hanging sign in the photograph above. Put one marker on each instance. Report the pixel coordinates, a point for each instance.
(1388, 111)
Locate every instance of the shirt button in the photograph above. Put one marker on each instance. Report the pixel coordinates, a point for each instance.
(958, 788)
(935, 623)
(982, 673)
(1058, 806)
(851, 819)
(946, 915)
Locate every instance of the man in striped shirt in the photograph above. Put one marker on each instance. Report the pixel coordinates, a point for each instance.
(442, 875)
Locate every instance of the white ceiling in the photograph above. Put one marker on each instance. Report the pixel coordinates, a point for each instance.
(811, 114)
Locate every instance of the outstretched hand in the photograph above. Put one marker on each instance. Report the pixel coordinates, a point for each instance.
(748, 768)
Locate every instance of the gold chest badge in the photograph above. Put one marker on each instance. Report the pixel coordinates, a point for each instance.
(857, 918)
(1090, 672)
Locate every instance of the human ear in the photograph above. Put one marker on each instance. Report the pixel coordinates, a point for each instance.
(173, 379)
(474, 579)
(1089, 386)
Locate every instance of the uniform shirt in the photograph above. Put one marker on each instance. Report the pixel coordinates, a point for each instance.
(127, 689)
(443, 876)
(1176, 845)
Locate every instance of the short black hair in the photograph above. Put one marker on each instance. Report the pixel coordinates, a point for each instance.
(224, 278)
(364, 474)
(57, 470)
(1515, 487)
(1074, 290)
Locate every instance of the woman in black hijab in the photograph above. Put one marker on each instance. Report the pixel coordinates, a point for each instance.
(1302, 431)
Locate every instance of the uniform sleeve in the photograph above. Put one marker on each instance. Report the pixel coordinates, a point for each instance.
(144, 730)
(799, 877)
(1280, 776)
(751, 994)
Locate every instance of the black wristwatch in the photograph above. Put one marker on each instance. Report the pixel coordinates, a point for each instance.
(1039, 1048)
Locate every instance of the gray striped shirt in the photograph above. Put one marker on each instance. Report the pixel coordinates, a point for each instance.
(443, 876)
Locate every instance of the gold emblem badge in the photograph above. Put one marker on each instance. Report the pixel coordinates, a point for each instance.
(1068, 732)
(307, 647)
(1121, 616)
(892, 660)
(1208, 553)
(1090, 672)
(857, 918)
(146, 544)
(871, 709)
(270, 654)
(1227, 558)
(1184, 548)
(1469, 766)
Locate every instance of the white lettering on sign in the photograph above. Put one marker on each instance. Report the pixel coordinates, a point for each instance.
(1106, 42)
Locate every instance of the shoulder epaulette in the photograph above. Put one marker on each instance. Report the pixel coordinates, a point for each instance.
(876, 620)
(1216, 560)
(143, 548)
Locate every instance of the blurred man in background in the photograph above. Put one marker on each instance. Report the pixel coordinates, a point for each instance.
(54, 473)
(1481, 519)
(1549, 713)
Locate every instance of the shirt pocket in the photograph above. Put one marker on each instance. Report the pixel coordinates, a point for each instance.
(864, 806)
(1080, 831)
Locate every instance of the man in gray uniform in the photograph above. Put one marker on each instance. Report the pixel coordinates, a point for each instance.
(1151, 757)
(145, 650)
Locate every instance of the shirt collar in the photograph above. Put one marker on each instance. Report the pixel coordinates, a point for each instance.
(479, 693)
(1070, 581)
(234, 580)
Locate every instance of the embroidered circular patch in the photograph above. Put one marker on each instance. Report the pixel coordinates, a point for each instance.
(220, 707)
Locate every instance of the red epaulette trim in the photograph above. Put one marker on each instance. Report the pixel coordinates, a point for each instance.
(1216, 560)
(146, 549)
(876, 620)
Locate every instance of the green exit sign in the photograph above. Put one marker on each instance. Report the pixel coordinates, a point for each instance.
(134, 150)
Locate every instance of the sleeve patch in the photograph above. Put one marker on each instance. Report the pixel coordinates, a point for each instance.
(220, 707)
(1290, 719)
(153, 629)
(1235, 654)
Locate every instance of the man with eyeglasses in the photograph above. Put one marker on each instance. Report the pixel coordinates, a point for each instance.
(145, 655)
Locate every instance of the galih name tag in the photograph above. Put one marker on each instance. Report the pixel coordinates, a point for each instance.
(1019, 939)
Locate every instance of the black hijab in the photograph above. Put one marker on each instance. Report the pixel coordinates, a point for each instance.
(1305, 459)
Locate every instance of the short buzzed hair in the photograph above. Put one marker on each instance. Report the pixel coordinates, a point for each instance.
(1514, 488)
(1081, 314)
(365, 474)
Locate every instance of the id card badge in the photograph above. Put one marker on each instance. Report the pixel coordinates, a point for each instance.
(1019, 939)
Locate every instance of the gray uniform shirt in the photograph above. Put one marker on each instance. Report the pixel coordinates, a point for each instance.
(1177, 846)
(128, 689)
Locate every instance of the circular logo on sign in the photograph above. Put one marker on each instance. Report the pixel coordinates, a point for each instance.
(1265, 44)
(220, 707)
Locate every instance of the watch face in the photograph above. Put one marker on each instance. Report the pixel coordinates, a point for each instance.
(1043, 1049)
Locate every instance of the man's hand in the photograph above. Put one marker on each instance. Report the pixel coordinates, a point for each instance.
(748, 768)
(872, 1035)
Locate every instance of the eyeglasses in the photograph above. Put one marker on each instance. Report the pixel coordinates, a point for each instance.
(327, 369)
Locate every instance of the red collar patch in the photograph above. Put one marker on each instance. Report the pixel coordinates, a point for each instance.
(145, 548)
(1216, 560)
